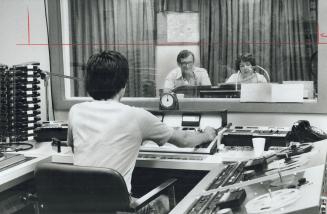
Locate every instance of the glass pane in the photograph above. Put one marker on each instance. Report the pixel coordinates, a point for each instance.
(281, 37)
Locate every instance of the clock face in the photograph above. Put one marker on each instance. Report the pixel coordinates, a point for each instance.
(168, 101)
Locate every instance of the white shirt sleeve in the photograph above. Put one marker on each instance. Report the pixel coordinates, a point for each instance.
(261, 78)
(152, 128)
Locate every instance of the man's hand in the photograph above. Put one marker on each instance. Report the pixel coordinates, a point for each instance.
(183, 138)
(210, 132)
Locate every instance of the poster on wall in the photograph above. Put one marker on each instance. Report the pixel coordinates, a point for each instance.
(182, 27)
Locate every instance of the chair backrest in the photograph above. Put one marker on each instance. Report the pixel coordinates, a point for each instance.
(65, 188)
(263, 71)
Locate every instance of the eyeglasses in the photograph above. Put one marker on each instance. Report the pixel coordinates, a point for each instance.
(187, 63)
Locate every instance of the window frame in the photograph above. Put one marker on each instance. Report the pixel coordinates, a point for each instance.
(60, 102)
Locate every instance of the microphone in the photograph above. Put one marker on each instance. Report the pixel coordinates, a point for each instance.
(238, 76)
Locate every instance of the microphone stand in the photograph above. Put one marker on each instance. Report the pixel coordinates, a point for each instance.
(45, 75)
(238, 76)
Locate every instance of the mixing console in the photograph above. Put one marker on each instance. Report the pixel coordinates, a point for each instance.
(231, 174)
(214, 202)
(170, 156)
(190, 121)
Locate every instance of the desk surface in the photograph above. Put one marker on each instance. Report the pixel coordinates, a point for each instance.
(44, 152)
(213, 163)
(24, 171)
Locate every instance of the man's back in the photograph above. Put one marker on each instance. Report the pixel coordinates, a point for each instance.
(108, 134)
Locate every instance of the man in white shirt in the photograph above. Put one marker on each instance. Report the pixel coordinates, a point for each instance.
(186, 73)
(107, 133)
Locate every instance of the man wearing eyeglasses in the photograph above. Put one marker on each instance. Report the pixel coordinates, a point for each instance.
(186, 73)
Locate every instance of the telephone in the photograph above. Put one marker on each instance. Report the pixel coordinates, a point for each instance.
(303, 132)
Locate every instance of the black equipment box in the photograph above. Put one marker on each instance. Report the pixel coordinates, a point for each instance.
(242, 136)
(51, 129)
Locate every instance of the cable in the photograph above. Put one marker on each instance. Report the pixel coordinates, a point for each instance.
(15, 147)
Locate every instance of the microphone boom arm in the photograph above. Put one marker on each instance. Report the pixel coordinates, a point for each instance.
(265, 71)
(45, 75)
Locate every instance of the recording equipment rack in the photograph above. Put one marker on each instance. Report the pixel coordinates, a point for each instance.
(242, 136)
(19, 102)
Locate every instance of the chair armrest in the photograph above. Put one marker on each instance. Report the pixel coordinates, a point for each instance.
(139, 203)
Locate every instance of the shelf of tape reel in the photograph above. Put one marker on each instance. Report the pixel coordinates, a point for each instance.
(19, 101)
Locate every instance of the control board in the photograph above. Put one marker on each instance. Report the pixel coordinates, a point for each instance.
(242, 135)
(213, 202)
(191, 121)
(286, 194)
(292, 158)
(276, 183)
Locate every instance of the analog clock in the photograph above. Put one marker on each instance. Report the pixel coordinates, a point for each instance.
(168, 101)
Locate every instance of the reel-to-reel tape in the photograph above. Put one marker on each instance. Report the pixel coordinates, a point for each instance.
(272, 201)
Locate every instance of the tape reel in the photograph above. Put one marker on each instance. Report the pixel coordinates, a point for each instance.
(267, 203)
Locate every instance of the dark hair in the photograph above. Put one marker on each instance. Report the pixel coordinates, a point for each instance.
(106, 74)
(247, 57)
(183, 54)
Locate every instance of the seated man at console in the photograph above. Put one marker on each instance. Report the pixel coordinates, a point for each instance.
(107, 133)
(245, 65)
(186, 73)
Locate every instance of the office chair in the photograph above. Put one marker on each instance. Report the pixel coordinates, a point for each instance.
(262, 71)
(62, 188)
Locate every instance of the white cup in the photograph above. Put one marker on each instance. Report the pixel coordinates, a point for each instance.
(258, 145)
